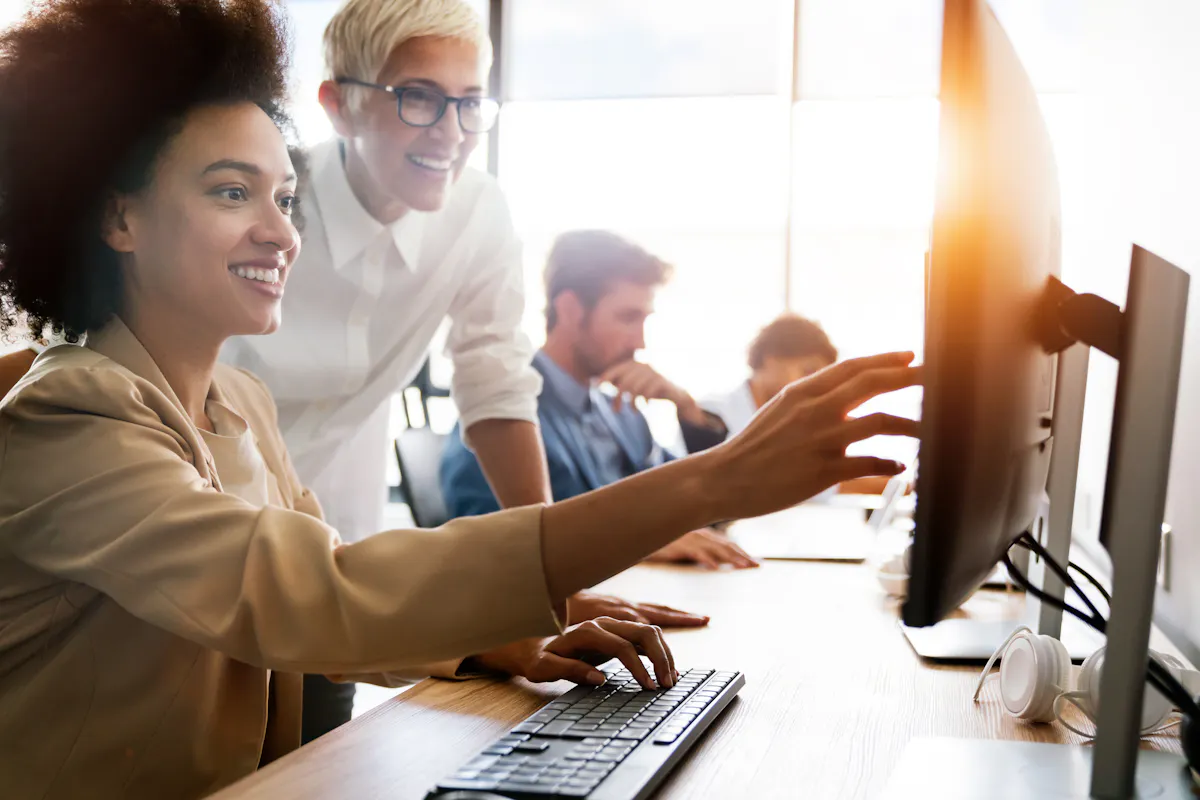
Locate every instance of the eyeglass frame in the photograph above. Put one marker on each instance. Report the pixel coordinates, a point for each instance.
(399, 91)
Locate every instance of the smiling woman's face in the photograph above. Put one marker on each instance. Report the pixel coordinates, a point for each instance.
(411, 167)
(210, 240)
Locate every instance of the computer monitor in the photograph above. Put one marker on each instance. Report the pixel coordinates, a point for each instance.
(988, 406)
(996, 313)
(991, 409)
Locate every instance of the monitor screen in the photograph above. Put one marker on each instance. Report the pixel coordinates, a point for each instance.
(989, 385)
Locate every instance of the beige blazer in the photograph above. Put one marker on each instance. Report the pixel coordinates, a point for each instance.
(153, 628)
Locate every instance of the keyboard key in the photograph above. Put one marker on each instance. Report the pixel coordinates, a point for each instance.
(531, 747)
(529, 775)
(527, 727)
(529, 787)
(574, 733)
(498, 750)
(495, 774)
(513, 738)
(481, 784)
(598, 774)
(556, 728)
(634, 733)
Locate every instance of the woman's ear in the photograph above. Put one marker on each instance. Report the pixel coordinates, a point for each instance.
(115, 230)
(333, 99)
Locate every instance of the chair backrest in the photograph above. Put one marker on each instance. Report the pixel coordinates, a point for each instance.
(419, 454)
(423, 383)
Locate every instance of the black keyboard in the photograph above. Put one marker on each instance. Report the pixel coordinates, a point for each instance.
(612, 742)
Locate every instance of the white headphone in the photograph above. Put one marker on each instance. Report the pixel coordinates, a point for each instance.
(1035, 676)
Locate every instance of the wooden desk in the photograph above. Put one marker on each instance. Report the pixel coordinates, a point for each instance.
(833, 694)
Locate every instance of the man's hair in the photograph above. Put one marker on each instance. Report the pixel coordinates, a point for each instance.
(91, 92)
(363, 33)
(790, 336)
(590, 263)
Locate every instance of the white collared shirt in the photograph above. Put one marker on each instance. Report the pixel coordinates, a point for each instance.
(735, 408)
(362, 305)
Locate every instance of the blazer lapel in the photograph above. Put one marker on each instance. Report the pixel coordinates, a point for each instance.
(117, 342)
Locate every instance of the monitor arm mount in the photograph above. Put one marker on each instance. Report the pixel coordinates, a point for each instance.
(1066, 317)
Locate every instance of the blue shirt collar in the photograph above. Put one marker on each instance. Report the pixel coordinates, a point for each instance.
(573, 394)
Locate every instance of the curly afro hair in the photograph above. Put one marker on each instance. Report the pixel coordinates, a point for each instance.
(91, 91)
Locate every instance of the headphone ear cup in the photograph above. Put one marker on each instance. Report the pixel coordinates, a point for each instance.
(1056, 677)
(1155, 707)
(1033, 672)
(1088, 682)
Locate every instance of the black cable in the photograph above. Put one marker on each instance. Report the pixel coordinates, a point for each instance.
(1157, 675)
(1087, 576)
(1032, 544)
(1028, 586)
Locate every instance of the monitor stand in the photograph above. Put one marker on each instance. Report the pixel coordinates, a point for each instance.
(969, 641)
(972, 641)
(972, 769)
(1114, 767)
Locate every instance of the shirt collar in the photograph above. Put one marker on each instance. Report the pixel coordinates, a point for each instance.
(573, 394)
(348, 227)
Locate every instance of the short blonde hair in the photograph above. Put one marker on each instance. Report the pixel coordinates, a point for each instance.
(363, 33)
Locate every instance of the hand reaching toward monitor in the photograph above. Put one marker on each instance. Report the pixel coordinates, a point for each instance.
(795, 447)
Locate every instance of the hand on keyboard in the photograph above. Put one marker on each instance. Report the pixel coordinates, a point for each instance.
(612, 742)
(573, 655)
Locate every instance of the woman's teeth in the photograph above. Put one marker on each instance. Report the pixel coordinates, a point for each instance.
(440, 164)
(253, 274)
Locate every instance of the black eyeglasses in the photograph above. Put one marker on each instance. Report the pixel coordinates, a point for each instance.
(422, 107)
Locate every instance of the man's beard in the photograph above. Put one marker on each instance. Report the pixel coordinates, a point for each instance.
(596, 366)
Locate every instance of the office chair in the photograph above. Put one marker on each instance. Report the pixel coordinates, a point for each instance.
(419, 454)
(426, 389)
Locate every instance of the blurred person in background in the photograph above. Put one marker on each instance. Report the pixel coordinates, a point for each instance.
(787, 349)
(600, 290)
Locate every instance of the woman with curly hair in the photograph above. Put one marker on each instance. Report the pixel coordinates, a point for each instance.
(164, 577)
